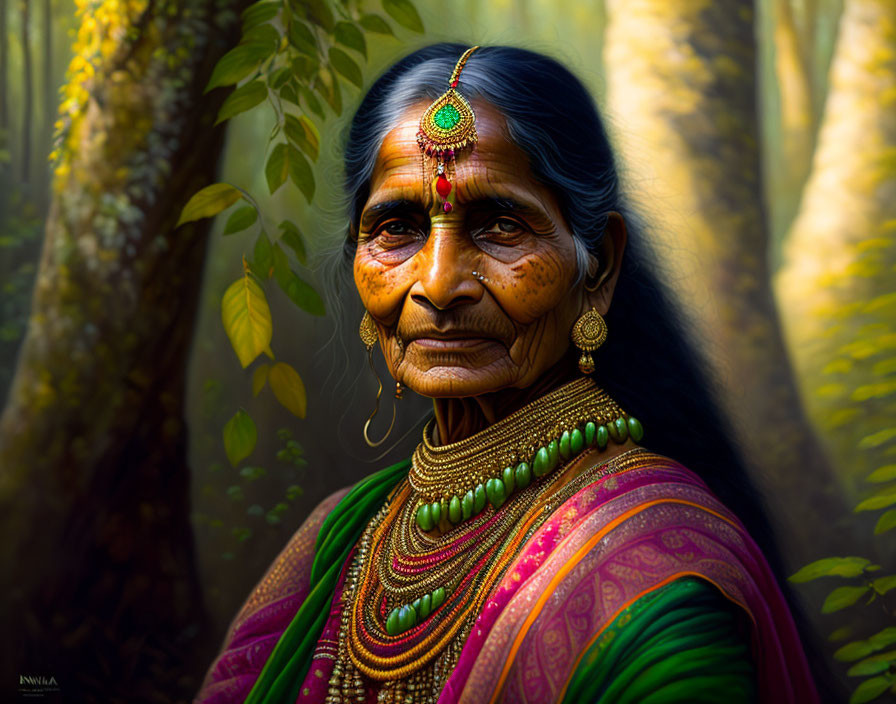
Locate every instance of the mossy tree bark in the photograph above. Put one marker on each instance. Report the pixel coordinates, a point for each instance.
(99, 582)
(837, 280)
(682, 97)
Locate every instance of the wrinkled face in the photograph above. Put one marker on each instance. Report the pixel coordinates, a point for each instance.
(444, 331)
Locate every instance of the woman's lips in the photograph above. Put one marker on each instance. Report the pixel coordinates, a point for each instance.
(452, 343)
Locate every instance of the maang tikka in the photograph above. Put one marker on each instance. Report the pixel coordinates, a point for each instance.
(447, 126)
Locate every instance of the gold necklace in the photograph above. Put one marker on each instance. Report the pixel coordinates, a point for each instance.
(412, 594)
(454, 482)
(424, 674)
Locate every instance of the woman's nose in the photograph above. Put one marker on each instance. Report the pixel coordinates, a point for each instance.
(445, 270)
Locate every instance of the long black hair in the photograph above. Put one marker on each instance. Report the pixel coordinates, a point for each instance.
(649, 363)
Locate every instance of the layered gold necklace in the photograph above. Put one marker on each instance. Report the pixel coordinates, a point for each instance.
(412, 592)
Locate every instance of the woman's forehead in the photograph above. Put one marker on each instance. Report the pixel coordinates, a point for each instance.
(494, 161)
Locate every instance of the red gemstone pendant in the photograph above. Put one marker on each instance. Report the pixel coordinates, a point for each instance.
(443, 186)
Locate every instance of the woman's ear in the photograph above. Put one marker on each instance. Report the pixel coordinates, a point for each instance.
(603, 269)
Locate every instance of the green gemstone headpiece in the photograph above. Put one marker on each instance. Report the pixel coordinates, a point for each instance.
(448, 123)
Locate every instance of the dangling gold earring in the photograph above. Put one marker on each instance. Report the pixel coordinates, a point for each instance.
(588, 334)
(369, 338)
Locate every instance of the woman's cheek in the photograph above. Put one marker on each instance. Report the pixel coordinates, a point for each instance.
(534, 287)
(381, 288)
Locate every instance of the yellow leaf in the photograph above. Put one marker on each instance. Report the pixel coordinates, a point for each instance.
(259, 378)
(247, 319)
(208, 202)
(288, 388)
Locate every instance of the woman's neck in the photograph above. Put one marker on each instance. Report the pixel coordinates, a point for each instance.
(459, 418)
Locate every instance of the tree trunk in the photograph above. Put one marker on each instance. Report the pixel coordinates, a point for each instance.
(836, 287)
(682, 91)
(98, 576)
(27, 93)
(49, 99)
(4, 72)
(793, 70)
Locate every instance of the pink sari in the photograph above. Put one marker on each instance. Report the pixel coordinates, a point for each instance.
(611, 543)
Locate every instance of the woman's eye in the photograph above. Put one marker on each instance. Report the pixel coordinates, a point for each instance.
(396, 230)
(504, 226)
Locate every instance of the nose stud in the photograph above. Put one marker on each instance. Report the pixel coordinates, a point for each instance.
(479, 276)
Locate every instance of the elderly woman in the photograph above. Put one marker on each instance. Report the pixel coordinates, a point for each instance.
(531, 549)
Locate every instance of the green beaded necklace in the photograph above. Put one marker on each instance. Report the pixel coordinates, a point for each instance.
(496, 490)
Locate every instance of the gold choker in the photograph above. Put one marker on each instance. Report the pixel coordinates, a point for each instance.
(454, 482)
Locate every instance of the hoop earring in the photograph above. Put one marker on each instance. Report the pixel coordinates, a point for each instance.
(588, 333)
(368, 334)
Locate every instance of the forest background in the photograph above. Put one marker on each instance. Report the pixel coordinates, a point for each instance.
(154, 457)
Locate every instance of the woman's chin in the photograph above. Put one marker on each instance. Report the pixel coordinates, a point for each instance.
(455, 381)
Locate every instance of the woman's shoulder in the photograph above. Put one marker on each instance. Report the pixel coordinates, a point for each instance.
(639, 478)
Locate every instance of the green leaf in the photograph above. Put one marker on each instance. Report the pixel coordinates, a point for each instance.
(304, 67)
(831, 567)
(259, 378)
(259, 13)
(327, 86)
(884, 584)
(839, 634)
(877, 439)
(886, 522)
(870, 689)
(842, 597)
(208, 202)
(255, 510)
(239, 62)
(240, 219)
(288, 388)
(879, 499)
(376, 24)
(277, 168)
(854, 651)
(240, 436)
(243, 98)
(298, 291)
(292, 236)
(265, 34)
(319, 13)
(279, 78)
(883, 638)
(873, 665)
(246, 318)
(289, 94)
(293, 492)
(263, 257)
(311, 101)
(403, 12)
(252, 473)
(302, 38)
(235, 493)
(300, 172)
(883, 474)
(302, 132)
(349, 35)
(345, 65)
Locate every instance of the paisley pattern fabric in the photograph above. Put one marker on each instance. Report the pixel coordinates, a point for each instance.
(613, 543)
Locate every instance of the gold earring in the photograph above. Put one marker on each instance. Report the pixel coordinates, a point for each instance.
(368, 334)
(588, 334)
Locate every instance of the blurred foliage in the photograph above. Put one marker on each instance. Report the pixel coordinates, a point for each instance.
(299, 66)
(292, 60)
(21, 227)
